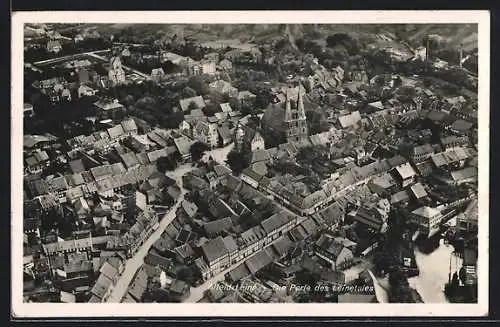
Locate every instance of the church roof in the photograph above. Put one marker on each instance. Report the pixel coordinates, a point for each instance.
(274, 115)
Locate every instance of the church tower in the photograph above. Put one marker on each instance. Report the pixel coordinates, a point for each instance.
(239, 138)
(295, 118)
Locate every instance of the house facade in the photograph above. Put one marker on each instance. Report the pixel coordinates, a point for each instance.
(427, 219)
(206, 133)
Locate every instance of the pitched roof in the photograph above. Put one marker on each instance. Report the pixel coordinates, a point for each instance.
(283, 245)
(423, 149)
(226, 107)
(217, 226)
(115, 131)
(460, 175)
(190, 208)
(245, 95)
(108, 270)
(101, 172)
(77, 166)
(377, 105)
(101, 286)
(239, 272)
(418, 190)
(214, 249)
(129, 125)
(462, 125)
(198, 100)
(405, 171)
(426, 212)
(399, 197)
(183, 145)
(139, 284)
(258, 261)
(275, 221)
(108, 105)
(230, 243)
(349, 120)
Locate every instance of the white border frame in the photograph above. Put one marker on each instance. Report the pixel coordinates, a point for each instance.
(45, 310)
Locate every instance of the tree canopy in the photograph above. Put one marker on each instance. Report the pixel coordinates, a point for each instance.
(197, 150)
(238, 161)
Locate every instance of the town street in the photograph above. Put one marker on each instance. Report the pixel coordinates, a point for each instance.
(134, 263)
(68, 57)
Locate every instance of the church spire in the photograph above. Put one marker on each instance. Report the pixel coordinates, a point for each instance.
(300, 104)
(288, 106)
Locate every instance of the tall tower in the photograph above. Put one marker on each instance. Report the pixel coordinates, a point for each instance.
(239, 138)
(295, 118)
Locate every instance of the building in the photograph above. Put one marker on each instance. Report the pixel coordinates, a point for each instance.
(216, 254)
(157, 74)
(452, 142)
(129, 127)
(208, 66)
(334, 253)
(54, 46)
(349, 120)
(372, 217)
(277, 225)
(116, 73)
(405, 174)
(85, 90)
(109, 109)
(225, 65)
(428, 220)
(206, 133)
(248, 139)
(223, 87)
(189, 104)
(287, 120)
(183, 145)
(421, 153)
(467, 221)
(28, 110)
(421, 53)
(36, 162)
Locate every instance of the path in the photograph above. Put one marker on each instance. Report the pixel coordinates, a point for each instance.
(381, 288)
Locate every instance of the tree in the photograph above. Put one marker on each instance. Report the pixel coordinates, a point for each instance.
(198, 84)
(238, 161)
(316, 122)
(197, 150)
(210, 109)
(192, 105)
(165, 164)
(188, 92)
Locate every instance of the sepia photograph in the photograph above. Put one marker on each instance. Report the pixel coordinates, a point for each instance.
(261, 163)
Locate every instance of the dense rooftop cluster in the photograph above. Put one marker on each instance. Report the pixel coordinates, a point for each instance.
(274, 167)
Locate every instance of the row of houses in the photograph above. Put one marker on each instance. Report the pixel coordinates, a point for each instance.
(307, 205)
(222, 252)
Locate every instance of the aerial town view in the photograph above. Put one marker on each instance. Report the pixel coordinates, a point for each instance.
(240, 163)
